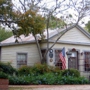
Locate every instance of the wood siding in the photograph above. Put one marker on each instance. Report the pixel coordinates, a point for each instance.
(9, 54)
(80, 48)
(73, 35)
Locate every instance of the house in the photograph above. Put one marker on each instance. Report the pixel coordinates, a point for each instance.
(74, 39)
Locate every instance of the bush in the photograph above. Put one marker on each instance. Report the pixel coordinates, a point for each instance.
(7, 68)
(47, 78)
(43, 74)
(21, 80)
(3, 75)
(39, 69)
(24, 70)
(71, 80)
(71, 72)
(34, 70)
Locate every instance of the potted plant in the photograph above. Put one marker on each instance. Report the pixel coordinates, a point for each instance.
(4, 82)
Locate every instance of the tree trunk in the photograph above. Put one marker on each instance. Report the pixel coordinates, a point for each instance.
(38, 47)
(47, 26)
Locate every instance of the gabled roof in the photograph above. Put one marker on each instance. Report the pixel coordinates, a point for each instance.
(70, 27)
(21, 39)
(29, 39)
(52, 33)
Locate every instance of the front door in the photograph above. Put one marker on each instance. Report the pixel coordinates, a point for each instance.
(58, 62)
(73, 60)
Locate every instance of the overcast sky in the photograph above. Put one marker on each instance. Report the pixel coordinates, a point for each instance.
(51, 4)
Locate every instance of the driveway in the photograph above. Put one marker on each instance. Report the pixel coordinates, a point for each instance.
(50, 87)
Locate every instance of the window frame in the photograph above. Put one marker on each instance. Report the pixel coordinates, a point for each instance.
(43, 52)
(21, 53)
(85, 59)
(58, 62)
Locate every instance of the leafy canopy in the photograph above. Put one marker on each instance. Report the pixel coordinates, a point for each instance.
(5, 10)
(31, 22)
(56, 22)
(88, 26)
(4, 34)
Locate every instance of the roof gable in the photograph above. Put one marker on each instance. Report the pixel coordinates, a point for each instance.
(74, 34)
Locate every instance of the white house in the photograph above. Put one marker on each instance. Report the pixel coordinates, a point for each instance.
(74, 39)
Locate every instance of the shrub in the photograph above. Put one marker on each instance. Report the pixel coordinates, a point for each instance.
(43, 68)
(39, 69)
(71, 72)
(71, 80)
(47, 78)
(55, 70)
(7, 68)
(34, 70)
(24, 70)
(14, 80)
(3, 75)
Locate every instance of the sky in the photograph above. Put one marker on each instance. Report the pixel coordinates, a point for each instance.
(51, 4)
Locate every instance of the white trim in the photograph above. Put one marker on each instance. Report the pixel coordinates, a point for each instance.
(69, 42)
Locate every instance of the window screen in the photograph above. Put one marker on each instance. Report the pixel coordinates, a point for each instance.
(21, 59)
(87, 61)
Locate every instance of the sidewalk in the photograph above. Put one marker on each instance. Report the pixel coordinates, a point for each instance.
(50, 87)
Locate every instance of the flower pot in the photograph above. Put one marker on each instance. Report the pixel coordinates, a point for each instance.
(4, 83)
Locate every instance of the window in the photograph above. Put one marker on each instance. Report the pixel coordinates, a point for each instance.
(43, 53)
(58, 62)
(21, 59)
(87, 61)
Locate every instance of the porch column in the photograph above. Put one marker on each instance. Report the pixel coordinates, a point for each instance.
(81, 63)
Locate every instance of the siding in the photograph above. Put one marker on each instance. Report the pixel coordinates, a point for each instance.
(73, 35)
(9, 54)
(80, 48)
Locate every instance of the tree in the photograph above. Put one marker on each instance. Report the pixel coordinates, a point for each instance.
(56, 22)
(31, 22)
(88, 26)
(4, 34)
(59, 7)
(29, 16)
(5, 11)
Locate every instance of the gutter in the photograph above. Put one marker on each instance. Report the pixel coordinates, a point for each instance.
(68, 42)
(20, 43)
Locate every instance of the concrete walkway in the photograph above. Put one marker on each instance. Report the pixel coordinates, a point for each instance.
(50, 87)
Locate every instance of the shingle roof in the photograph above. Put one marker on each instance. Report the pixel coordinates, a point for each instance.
(21, 39)
(30, 37)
